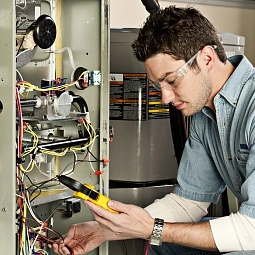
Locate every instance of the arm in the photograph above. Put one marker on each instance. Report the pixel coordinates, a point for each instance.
(135, 222)
(239, 229)
(195, 235)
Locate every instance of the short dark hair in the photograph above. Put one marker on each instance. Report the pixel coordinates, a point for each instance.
(179, 32)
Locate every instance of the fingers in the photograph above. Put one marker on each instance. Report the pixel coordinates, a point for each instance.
(115, 205)
(61, 249)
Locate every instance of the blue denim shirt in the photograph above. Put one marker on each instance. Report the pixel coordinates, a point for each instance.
(220, 150)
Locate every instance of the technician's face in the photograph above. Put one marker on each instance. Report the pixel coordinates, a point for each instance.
(187, 89)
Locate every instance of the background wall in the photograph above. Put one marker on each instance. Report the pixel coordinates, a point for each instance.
(239, 21)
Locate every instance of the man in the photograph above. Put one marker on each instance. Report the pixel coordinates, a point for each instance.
(186, 61)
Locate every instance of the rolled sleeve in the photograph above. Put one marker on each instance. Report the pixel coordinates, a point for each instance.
(234, 233)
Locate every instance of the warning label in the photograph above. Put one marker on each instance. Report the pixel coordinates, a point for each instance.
(128, 96)
(156, 110)
(132, 99)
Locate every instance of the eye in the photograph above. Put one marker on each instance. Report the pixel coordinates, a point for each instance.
(171, 82)
(171, 78)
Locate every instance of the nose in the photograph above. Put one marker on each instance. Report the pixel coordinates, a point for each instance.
(167, 96)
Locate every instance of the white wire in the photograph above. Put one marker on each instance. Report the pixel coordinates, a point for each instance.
(70, 171)
(44, 252)
(28, 203)
(24, 251)
(29, 164)
(70, 54)
(30, 208)
(19, 74)
(22, 52)
(33, 244)
(28, 242)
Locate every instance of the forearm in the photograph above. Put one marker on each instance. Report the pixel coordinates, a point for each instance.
(195, 235)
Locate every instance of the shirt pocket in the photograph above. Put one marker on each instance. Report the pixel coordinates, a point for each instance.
(242, 157)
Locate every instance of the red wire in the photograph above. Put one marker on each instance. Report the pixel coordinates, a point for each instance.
(70, 250)
(147, 248)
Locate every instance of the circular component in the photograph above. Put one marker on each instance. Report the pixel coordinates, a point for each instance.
(1, 106)
(81, 84)
(44, 31)
(63, 104)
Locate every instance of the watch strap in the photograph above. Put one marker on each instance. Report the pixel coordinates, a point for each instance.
(156, 236)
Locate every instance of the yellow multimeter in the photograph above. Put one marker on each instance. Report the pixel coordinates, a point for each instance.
(86, 192)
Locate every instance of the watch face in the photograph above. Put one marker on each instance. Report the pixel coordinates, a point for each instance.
(155, 240)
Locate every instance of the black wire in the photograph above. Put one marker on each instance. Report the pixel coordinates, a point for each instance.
(74, 162)
(30, 181)
(93, 156)
(79, 161)
(20, 46)
(36, 188)
(39, 186)
(71, 163)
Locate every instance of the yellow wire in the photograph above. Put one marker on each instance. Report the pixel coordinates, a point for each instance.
(92, 139)
(53, 153)
(35, 140)
(23, 235)
(28, 85)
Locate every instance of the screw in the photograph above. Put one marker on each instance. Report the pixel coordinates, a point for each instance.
(4, 209)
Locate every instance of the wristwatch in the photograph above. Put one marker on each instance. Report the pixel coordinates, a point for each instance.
(156, 236)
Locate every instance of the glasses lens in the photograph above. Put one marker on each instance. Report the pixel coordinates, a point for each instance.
(155, 85)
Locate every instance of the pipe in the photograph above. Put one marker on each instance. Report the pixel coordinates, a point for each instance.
(63, 144)
(28, 102)
(54, 145)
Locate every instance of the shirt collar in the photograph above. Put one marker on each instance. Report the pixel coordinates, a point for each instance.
(233, 86)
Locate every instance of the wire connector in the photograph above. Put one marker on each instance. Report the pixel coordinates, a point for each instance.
(105, 160)
(98, 172)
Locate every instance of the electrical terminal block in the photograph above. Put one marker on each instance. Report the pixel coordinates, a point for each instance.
(95, 78)
(72, 205)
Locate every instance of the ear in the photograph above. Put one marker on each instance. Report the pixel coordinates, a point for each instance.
(208, 56)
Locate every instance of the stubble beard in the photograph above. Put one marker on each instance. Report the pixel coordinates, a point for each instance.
(202, 97)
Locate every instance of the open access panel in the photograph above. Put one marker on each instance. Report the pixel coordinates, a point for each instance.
(54, 70)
